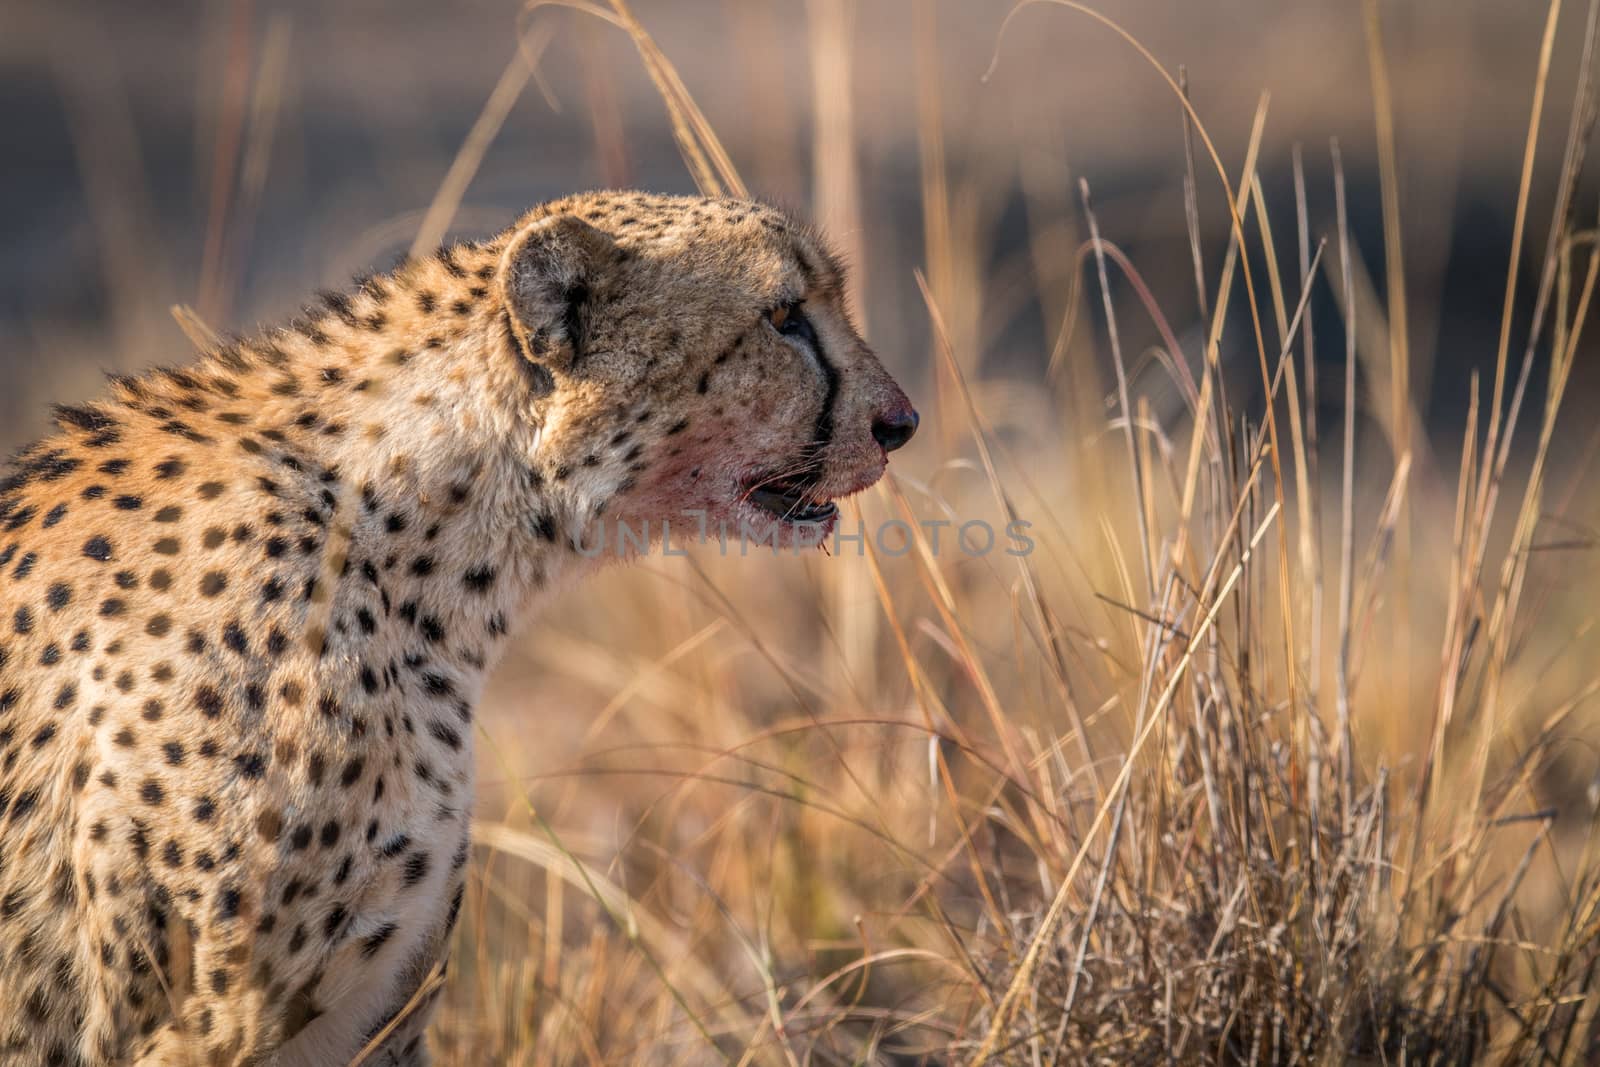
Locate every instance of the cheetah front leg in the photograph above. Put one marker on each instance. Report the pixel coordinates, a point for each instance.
(382, 1023)
(406, 1043)
(215, 1025)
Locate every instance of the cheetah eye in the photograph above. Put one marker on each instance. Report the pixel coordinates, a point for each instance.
(790, 321)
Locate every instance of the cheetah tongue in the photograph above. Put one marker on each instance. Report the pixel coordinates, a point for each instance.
(792, 505)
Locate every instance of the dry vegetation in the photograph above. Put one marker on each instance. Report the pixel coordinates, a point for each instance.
(1239, 766)
(1262, 756)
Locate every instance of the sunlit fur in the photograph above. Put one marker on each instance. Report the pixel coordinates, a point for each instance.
(249, 607)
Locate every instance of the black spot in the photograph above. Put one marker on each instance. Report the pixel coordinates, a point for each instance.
(170, 468)
(58, 596)
(151, 792)
(228, 903)
(23, 806)
(21, 517)
(97, 548)
(128, 503)
(479, 579)
(55, 465)
(375, 940)
(233, 636)
(351, 773)
(416, 868)
(54, 515)
(82, 418)
(252, 765)
(446, 733)
(339, 304)
(209, 701)
(422, 566)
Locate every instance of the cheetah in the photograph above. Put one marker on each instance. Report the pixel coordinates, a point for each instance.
(247, 605)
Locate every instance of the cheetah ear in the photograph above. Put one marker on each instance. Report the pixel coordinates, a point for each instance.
(546, 276)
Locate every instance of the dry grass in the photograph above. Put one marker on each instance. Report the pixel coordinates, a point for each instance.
(1119, 800)
(1264, 755)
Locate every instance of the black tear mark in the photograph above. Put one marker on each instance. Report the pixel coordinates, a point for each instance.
(822, 433)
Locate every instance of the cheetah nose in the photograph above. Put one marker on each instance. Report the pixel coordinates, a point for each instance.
(894, 429)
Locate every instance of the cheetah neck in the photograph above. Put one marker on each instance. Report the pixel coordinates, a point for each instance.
(407, 406)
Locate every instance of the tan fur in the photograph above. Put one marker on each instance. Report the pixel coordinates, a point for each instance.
(247, 607)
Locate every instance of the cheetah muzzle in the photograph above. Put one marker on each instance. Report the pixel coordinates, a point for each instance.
(248, 605)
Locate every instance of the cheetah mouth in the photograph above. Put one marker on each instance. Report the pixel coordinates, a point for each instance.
(790, 500)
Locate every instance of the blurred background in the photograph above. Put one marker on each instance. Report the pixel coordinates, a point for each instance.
(236, 155)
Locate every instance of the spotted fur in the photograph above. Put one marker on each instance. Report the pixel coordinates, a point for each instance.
(247, 606)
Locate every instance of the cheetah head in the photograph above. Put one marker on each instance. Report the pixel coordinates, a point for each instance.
(695, 357)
